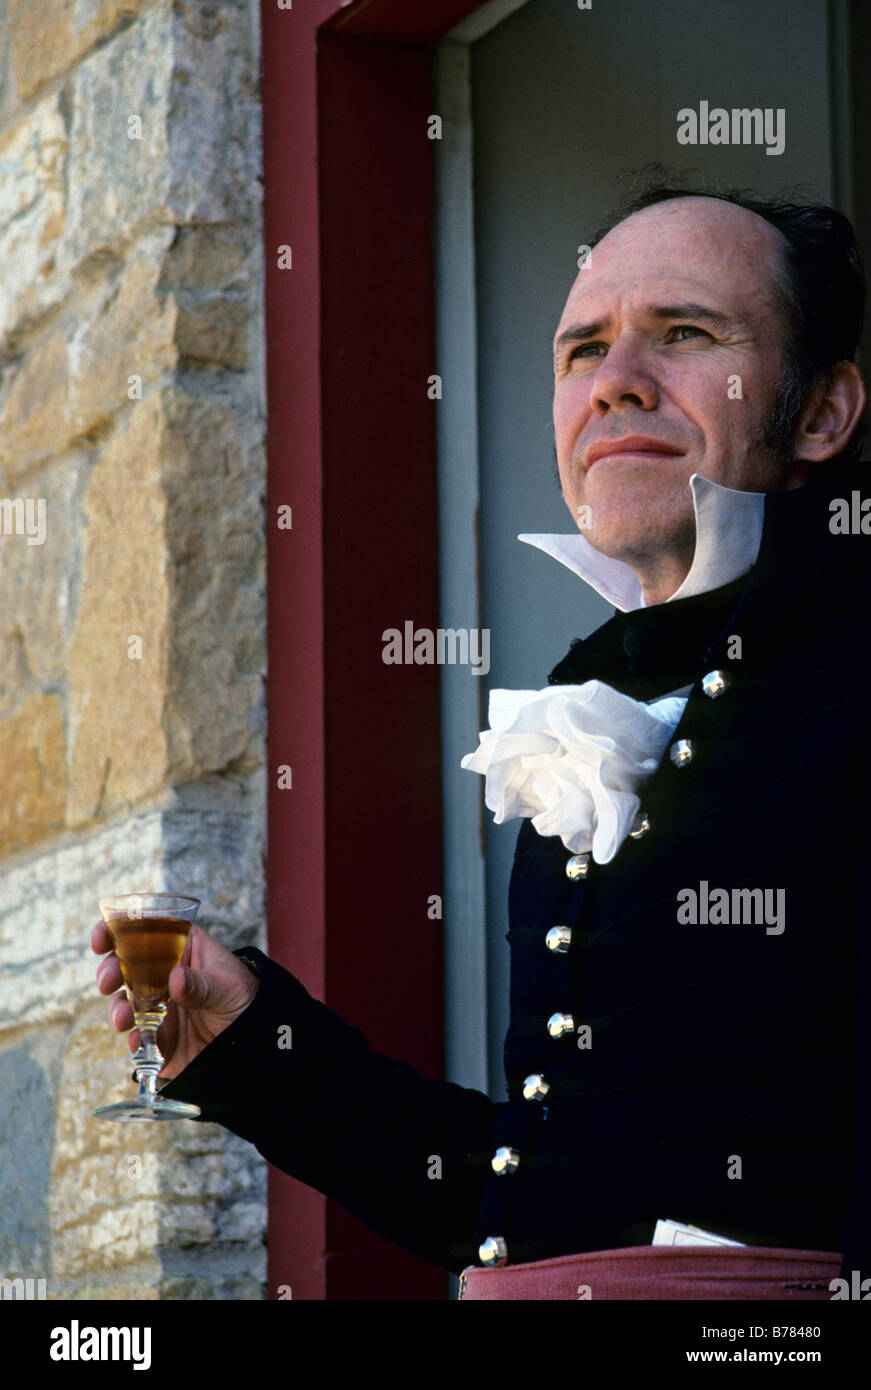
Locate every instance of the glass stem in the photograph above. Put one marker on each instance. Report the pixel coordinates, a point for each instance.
(148, 1060)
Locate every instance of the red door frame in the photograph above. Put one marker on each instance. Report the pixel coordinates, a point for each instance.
(354, 845)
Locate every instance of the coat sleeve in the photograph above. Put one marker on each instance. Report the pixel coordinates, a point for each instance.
(407, 1156)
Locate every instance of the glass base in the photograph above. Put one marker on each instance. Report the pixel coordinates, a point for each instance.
(158, 1109)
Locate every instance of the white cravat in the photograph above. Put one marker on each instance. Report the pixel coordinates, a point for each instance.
(728, 535)
(573, 758)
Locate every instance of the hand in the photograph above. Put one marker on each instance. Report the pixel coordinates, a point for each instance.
(208, 991)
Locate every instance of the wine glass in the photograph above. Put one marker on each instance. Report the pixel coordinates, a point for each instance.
(148, 931)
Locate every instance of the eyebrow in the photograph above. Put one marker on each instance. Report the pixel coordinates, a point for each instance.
(688, 310)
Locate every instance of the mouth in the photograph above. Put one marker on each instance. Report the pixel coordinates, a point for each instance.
(635, 447)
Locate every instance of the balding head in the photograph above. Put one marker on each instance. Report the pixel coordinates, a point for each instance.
(671, 347)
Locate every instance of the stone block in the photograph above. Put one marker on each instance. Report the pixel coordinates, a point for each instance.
(214, 115)
(108, 1195)
(244, 1222)
(160, 125)
(183, 145)
(35, 419)
(116, 1237)
(15, 678)
(34, 155)
(113, 338)
(96, 1071)
(119, 161)
(115, 1286)
(214, 478)
(47, 38)
(207, 257)
(236, 1289)
(122, 339)
(119, 651)
(26, 1100)
(38, 583)
(33, 759)
(213, 331)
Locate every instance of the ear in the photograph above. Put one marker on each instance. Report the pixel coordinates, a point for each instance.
(831, 412)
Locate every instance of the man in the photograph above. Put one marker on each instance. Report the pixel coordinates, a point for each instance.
(724, 1076)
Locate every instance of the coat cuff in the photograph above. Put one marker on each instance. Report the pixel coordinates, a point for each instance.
(277, 1051)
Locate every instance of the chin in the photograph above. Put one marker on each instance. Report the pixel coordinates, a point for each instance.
(625, 548)
(632, 513)
(635, 538)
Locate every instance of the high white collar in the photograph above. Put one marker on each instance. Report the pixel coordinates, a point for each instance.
(728, 535)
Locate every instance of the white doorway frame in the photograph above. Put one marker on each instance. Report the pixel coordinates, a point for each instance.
(462, 707)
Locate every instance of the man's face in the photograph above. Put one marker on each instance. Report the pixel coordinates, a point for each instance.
(670, 341)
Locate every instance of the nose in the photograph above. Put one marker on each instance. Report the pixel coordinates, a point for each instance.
(624, 378)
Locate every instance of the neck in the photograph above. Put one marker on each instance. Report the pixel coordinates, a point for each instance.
(662, 576)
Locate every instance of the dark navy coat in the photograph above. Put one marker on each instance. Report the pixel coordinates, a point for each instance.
(726, 1081)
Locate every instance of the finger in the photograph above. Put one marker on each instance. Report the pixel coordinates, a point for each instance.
(167, 1037)
(109, 977)
(120, 1013)
(101, 939)
(190, 944)
(191, 989)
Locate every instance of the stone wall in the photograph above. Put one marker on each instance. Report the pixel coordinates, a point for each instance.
(132, 628)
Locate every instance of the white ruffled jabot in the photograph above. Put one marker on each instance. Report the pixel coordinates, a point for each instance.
(572, 757)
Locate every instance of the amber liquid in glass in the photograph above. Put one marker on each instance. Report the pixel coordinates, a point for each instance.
(148, 949)
(148, 932)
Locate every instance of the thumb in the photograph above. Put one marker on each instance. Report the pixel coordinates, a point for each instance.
(192, 989)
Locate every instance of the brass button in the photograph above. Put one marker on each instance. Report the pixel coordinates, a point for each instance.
(640, 826)
(493, 1251)
(558, 940)
(578, 867)
(715, 684)
(504, 1161)
(535, 1087)
(560, 1024)
(682, 752)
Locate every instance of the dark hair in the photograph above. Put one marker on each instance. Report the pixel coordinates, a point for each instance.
(821, 290)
